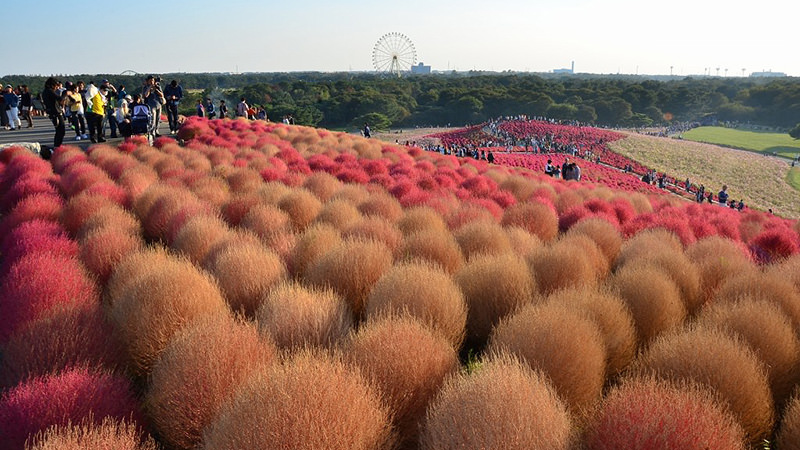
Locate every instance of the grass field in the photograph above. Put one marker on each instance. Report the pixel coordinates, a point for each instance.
(780, 143)
(793, 177)
(762, 181)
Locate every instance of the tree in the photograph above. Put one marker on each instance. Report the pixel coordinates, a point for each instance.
(795, 132)
(376, 121)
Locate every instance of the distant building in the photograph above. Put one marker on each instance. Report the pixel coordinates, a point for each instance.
(767, 74)
(420, 69)
(566, 71)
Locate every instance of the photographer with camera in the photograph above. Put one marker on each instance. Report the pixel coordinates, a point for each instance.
(154, 98)
(173, 93)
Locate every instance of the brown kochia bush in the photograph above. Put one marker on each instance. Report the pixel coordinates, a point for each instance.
(788, 269)
(647, 413)
(381, 205)
(295, 316)
(197, 372)
(199, 235)
(316, 241)
(110, 434)
(131, 268)
(561, 342)
(310, 402)
(323, 185)
(603, 233)
(788, 437)
(155, 305)
(769, 333)
(301, 206)
(438, 247)
(338, 213)
(501, 405)
(351, 269)
(538, 218)
(652, 297)
(765, 286)
(522, 242)
(378, 229)
(716, 259)
(493, 286)
(612, 317)
(721, 362)
(482, 237)
(407, 362)
(104, 248)
(569, 262)
(647, 242)
(421, 218)
(246, 271)
(426, 293)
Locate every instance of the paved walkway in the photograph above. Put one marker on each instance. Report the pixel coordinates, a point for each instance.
(43, 132)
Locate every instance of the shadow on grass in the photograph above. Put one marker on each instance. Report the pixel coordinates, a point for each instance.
(793, 178)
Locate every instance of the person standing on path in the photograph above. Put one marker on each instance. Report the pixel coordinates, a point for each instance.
(12, 107)
(26, 103)
(173, 93)
(54, 107)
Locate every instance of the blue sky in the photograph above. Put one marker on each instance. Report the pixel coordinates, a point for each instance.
(614, 36)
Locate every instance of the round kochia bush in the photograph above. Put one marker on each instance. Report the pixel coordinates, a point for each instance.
(438, 247)
(67, 335)
(67, 397)
(309, 402)
(296, 316)
(565, 345)
(425, 292)
(200, 367)
(644, 414)
(493, 287)
(789, 434)
(503, 404)
(407, 362)
(351, 269)
(724, 364)
(162, 299)
(36, 283)
(110, 434)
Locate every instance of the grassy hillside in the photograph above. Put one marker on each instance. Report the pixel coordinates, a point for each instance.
(761, 181)
(780, 143)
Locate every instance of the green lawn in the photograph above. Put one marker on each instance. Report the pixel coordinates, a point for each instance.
(793, 177)
(780, 143)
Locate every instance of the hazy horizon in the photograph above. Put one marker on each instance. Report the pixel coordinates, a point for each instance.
(204, 36)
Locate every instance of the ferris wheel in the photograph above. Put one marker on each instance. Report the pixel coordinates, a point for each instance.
(394, 53)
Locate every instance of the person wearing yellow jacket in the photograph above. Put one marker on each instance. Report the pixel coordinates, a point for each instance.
(95, 115)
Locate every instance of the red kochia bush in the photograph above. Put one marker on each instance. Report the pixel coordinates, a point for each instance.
(110, 434)
(25, 187)
(407, 362)
(493, 286)
(573, 360)
(162, 299)
(80, 208)
(775, 244)
(72, 396)
(310, 402)
(67, 335)
(38, 282)
(645, 414)
(503, 404)
(37, 206)
(724, 364)
(199, 369)
(27, 243)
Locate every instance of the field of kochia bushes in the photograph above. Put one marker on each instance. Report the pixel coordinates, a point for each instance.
(272, 286)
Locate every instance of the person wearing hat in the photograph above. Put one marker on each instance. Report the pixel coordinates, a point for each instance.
(12, 107)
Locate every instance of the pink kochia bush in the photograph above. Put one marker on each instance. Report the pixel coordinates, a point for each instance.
(645, 414)
(72, 396)
(38, 282)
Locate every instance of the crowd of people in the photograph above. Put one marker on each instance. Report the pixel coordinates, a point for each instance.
(16, 104)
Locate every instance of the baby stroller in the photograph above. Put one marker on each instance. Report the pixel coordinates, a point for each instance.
(140, 121)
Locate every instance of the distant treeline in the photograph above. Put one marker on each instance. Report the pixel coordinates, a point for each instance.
(337, 100)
